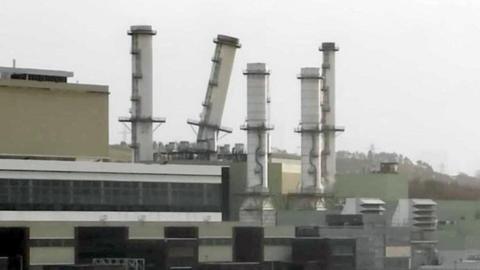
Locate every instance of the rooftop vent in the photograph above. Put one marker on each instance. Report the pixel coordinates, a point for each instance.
(389, 167)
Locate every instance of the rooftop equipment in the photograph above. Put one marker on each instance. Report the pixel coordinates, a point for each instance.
(329, 129)
(210, 121)
(239, 148)
(371, 206)
(141, 111)
(419, 214)
(389, 167)
(257, 205)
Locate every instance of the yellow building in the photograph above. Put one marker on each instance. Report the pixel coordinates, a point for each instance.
(43, 115)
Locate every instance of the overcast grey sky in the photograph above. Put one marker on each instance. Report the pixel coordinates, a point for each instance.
(407, 71)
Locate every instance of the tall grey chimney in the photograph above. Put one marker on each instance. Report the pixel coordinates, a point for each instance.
(309, 196)
(141, 110)
(257, 206)
(329, 129)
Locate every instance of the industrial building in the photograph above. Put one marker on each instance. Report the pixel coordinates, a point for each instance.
(56, 215)
(191, 205)
(58, 119)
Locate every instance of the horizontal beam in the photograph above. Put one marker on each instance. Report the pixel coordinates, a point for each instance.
(257, 127)
(143, 119)
(214, 127)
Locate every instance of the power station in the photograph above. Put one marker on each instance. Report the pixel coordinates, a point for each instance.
(189, 205)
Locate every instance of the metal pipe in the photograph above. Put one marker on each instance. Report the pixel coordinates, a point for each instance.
(258, 153)
(313, 155)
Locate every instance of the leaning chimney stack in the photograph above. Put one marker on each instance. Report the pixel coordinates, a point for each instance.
(210, 123)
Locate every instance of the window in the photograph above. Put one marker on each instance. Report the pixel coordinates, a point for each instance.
(19, 191)
(187, 196)
(86, 192)
(213, 195)
(121, 193)
(4, 190)
(155, 194)
(79, 195)
(50, 192)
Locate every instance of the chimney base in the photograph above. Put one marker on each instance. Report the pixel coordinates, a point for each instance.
(307, 201)
(257, 208)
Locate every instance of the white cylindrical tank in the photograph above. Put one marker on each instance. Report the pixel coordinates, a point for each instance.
(310, 128)
(257, 126)
(141, 111)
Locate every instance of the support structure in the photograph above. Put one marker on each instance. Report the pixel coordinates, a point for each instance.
(257, 206)
(310, 194)
(329, 129)
(210, 121)
(141, 110)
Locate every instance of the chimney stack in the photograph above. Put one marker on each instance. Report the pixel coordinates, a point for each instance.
(211, 117)
(329, 129)
(311, 188)
(141, 110)
(257, 206)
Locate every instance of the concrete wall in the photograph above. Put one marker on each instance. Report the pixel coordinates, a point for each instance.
(463, 220)
(215, 253)
(215, 240)
(387, 187)
(238, 178)
(42, 230)
(277, 253)
(53, 119)
(208, 252)
(290, 173)
(146, 231)
(52, 255)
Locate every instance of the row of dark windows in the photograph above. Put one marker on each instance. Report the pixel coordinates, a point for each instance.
(51, 243)
(35, 77)
(108, 196)
(339, 250)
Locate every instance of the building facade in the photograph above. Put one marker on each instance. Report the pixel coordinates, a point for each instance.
(43, 115)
